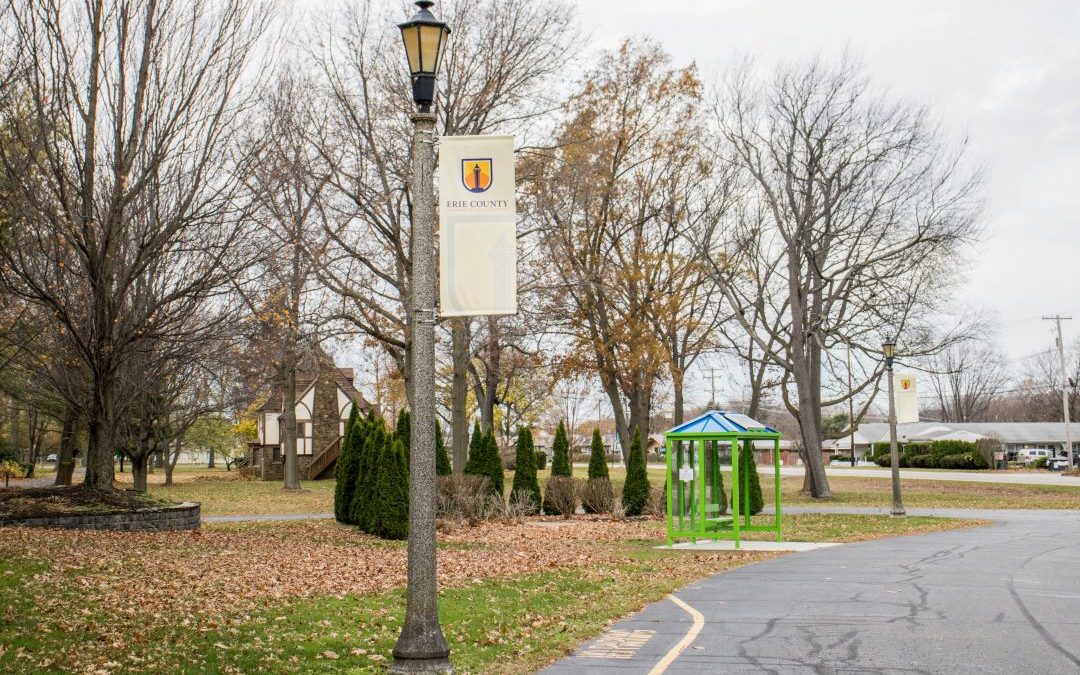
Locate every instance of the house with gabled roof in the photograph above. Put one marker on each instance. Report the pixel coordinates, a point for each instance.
(324, 401)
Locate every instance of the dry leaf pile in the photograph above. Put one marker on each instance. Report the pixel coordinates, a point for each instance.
(211, 579)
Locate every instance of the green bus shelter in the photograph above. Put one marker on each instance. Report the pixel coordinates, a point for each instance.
(697, 507)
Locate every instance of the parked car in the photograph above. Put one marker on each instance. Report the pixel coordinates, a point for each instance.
(1030, 455)
(1057, 463)
(51, 458)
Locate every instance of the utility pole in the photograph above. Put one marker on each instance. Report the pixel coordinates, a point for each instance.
(851, 405)
(712, 378)
(1064, 385)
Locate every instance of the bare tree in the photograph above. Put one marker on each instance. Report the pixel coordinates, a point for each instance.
(132, 166)
(287, 185)
(497, 77)
(865, 213)
(965, 379)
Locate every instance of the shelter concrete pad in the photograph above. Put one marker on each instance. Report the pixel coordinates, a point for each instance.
(729, 545)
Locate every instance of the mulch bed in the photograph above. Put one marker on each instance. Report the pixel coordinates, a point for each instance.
(18, 503)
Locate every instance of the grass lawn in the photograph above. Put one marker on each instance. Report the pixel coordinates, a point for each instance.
(316, 596)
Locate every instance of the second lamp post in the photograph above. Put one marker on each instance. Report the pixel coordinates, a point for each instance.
(889, 349)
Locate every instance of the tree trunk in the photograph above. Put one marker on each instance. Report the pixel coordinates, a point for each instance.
(170, 462)
(138, 472)
(459, 423)
(491, 376)
(65, 460)
(292, 465)
(210, 464)
(99, 453)
(121, 458)
(677, 377)
(14, 438)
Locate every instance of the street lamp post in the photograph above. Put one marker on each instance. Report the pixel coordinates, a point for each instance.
(422, 647)
(889, 349)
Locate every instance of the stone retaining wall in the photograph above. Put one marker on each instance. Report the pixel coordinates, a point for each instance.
(184, 516)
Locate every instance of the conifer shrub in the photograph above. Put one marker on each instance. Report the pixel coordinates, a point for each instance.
(525, 490)
(369, 454)
(347, 468)
(390, 504)
(484, 460)
(748, 473)
(403, 430)
(541, 460)
(635, 494)
(598, 495)
(476, 451)
(443, 467)
(560, 453)
(597, 457)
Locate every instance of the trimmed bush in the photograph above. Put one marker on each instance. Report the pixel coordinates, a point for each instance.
(463, 497)
(525, 491)
(561, 492)
(597, 496)
(348, 467)
(635, 494)
(748, 473)
(390, 503)
(597, 457)
(560, 453)
(541, 460)
(443, 467)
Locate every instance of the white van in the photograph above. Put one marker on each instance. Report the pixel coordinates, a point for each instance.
(1029, 455)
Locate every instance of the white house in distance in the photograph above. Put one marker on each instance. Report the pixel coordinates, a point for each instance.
(324, 401)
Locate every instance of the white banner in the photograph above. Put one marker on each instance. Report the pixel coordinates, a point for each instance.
(907, 403)
(477, 226)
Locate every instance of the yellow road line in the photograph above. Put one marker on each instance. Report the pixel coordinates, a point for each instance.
(699, 623)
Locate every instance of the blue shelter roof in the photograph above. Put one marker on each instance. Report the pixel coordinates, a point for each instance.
(721, 422)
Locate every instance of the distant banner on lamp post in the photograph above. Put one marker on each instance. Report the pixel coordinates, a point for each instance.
(907, 402)
(477, 226)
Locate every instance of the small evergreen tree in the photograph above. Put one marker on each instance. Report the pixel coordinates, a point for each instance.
(390, 503)
(484, 459)
(598, 475)
(348, 467)
(525, 485)
(635, 494)
(402, 431)
(374, 440)
(476, 452)
(442, 460)
(560, 457)
(597, 457)
(748, 472)
(493, 464)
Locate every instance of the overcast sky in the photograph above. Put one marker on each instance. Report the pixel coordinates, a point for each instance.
(1007, 74)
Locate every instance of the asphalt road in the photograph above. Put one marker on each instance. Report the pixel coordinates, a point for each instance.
(998, 599)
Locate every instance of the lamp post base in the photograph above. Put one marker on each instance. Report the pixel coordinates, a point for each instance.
(409, 666)
(898, 511)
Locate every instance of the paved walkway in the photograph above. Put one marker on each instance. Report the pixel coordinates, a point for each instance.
(998, 599)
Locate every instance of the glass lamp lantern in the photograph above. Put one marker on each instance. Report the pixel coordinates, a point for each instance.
(425, 41)
(888, 348)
